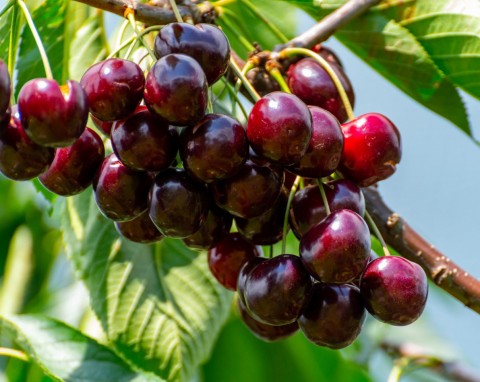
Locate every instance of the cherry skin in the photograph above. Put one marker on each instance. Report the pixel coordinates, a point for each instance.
(334, 316)
(139, 230)
(207, 44)
(144, 142)
(325, 149)
(74, 167)
(176, 90)
(337, 249)
(20, 158)
(104, 127)
(53, 115)
(313, 85)
(178, 204)
(114, 88)
(245, 271)
(280, 128)
(394, 289)
(265, 332)
(276, 290)
(120, 192)
(216, 227)
(5, 89)
(5, 118)
(227, 258)
(308, 209)
(250, 193)
(372, 149)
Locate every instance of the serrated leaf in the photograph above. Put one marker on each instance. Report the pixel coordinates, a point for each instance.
(65, 354)
(158, 304)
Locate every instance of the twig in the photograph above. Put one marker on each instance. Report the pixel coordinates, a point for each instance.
(408, 243)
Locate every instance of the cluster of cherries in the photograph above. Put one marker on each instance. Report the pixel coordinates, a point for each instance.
(181, 172)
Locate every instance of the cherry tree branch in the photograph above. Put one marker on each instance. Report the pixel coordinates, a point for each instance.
(408, 243)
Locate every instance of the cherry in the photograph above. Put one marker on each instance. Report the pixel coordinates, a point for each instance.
(142, 141)
(74, 167)
(280, 128)
(372, 149)
(245, 271)
(53, 115)
(328, 55)
(337, 249)
(104, 127)
(20, 158)
(262, 81)
(5, 118)
(178, 204)
(5, 89)
(214, 149)
(216, 227)
(120, 192)
(277, 289)
(265, 332)
(325, 149)
(114, 88)
(207, 44)
(313, 85)
(228, 257)
(251, 192)
(394, 289)
(177, 90)
(308, 209)
(139, 230)
(334, 315)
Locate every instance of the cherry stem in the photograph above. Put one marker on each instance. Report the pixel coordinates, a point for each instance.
(270, 252)
(324, 197)
(221, 3)
(175, 10)
(235, 99)
(294, 188)
(397, 370)
(277, 76)
(131, 18)
(268, 23)
(288, 52)
(38, 40)
(209, 101)
(121, 47)
(11, 50)
(121, 33)
(250, 89)
(377, 233)
(17, 354)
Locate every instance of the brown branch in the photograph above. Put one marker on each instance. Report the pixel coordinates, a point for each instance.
(329, 24)
(408, 243)
(452, 370)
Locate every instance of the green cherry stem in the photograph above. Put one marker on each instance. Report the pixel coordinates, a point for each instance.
(121, 33)
(221, 3)
(277, 76)
(38, 40)
(121, 47)
(131, 18)
(250, 89)
(294, 188)
(377, 233)
(235, 99)
(324, 197)
(397, 370)
(175, 10)
(17, 354)
(288, 52)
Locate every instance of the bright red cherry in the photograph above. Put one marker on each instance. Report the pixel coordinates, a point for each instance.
(394, 289)
(371, 150)
(5, 89)
(53, 115)
(139, 230)
(280, 128)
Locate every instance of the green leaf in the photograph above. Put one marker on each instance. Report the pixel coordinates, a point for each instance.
(65, 354)
(158, 304)
(10, 26)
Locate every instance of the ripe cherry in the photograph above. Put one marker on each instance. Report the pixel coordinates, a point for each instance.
(139, 230)
(245, 271)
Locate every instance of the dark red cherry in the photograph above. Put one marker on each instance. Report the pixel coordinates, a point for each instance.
(327, 54)
(144, 142)
(334, 315)
(372, 149)
(120, 192)
(216, 227)
(251, 192)
(5, 89)
(337, 249)
(394, 289)
(178, 204)
(204, 42)
(277, 289)
(308, 209)
(280, 128)
(214, 149)
(104, 127)
(5, 118)
(325, 149)
(20, 158)
(245, 271)
(265, 332)
(313, 85)
(74, 167)
(139, 230)
(177, 90)
(53, 115)
(114, 88)
(228, 257)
